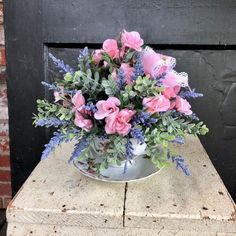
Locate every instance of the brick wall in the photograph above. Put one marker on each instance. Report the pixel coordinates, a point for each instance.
(5, 178)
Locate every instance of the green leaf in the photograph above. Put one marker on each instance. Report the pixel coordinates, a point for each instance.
(110, 86)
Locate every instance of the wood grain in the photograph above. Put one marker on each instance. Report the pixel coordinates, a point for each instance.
(56, 195)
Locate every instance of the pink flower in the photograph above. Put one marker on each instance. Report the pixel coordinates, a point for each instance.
(57, 96)
(183, 106)
(132, 40)
(111, 48)
(128, 72)
(78, 100)
(83, 123)
(106, 108)
(118, 122)
(171, 92)
(156, 104)
(156, 64)
(97, 56)
(173, 79)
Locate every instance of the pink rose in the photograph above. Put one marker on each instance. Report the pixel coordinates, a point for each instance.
(173, 79)
(78, 100)
(156, 104)
(172, 105)
(106, 108)
(156, 64)
(128, 72)
(83, 123)
(118, 122)
(111, 48)
(97, 56)
(171, 92)
(132, 40)
(183, 106)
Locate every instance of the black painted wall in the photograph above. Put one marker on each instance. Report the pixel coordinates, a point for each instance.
(200, 34)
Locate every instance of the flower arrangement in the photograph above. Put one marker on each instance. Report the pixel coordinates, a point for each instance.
(120, 93)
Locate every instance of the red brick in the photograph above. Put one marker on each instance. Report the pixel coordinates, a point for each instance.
(4, 128)
(5, 189)
(4, 145)
(4, 161)
(2, 56)
(3, 74)
(2, 36)
(6, 201)
(5, 175)
(1, 13)
(3, 102)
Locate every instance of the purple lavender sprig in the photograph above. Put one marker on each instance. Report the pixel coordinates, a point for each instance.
(60, 64)
(190, 94)
(179, 160)
(143, 118)
(58, 89)
(121, 79)
(138, 68)
(178, 140)
(84, 57)
(137, 134)
(51, 121)
(128, 154)
(90, 107)
(50, 86)
(57, 138)
(79, 148)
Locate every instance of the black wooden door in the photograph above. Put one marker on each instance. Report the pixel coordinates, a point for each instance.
(200, 34)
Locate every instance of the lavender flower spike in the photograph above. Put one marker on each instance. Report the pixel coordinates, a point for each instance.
(55, 141)
(79, 148)
(50, 86)
(129, 153)
(121, 79)
(51, 121)
(60, 64)
(178, 140)
(191, 94)
(137, 134)
(138, 68)
(181, 165)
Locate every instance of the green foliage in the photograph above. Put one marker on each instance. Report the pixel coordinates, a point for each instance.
(110, 86)
(158, 155)
(109, 60)
(102, 153)
(127, 95)
(46, 109)
(180, 125)
(87, 82)
(145, 87)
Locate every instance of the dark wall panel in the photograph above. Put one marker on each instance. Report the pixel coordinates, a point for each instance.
(159, 21)
(198, 33)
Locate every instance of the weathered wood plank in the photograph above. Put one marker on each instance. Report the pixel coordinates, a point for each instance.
(159, 22)
(171, 201)
(16, 229)
(56, 193)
